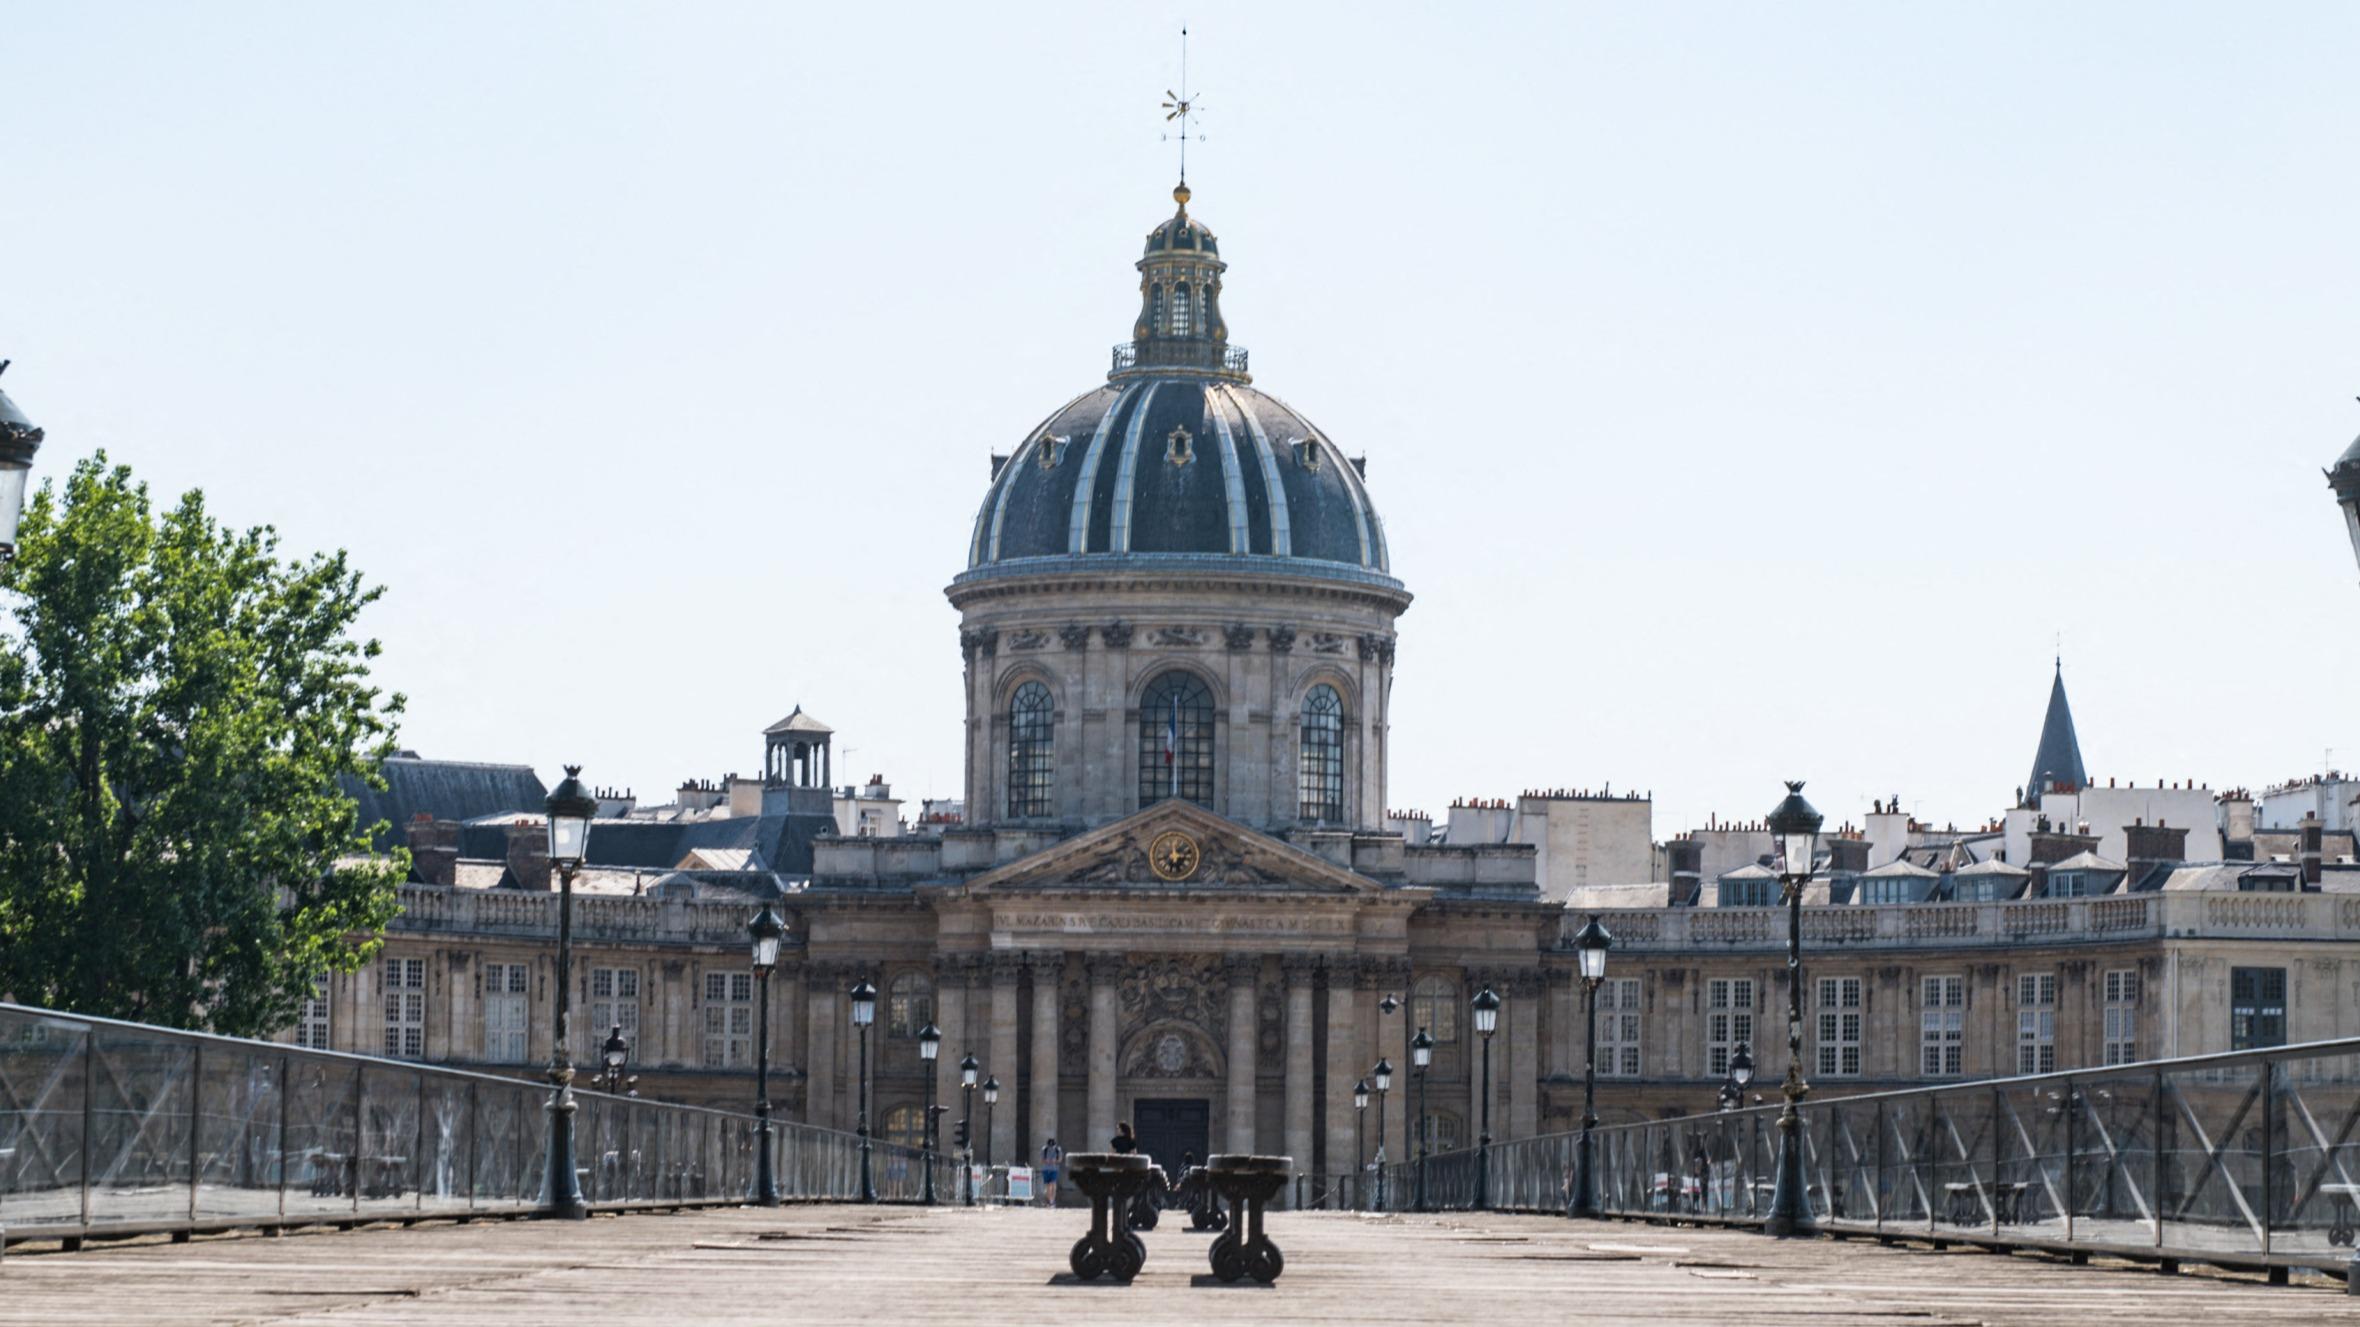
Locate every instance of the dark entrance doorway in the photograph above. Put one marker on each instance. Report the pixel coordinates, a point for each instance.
(1171, 1127)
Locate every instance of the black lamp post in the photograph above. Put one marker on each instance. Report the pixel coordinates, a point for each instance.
(764, 932)
(864, 1013)
(1359, 1141)
(1382, 1076)
(1487, 1021)
(968, 1069)
(19, 439)
(991, 1099)
(1741, 1072)
(1796, 827)
(2344, 478)
(570, 809)
(1421, 1058)
(929, 1050)
(614, 1054)
(1590, 944)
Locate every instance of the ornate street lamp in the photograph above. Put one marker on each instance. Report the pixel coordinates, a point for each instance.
(1590, 944)
(991, 1099)
(1487, 1021)
(968, 1069)
(1421, 1058)
(864, 1013)
(1796, 827)
(614, 1053)
(764, 933)
(929, 1050)
(570, 809)
(1359, 1138)
(1382, 1076)
(19, 439)
(2344, 478)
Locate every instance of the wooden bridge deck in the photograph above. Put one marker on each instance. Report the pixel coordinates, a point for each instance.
(943, 1265)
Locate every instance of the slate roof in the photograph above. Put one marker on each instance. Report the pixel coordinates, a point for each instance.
(798, 722)
(2059, 756)
(443, 790)
(777, 843)
(1903, 867)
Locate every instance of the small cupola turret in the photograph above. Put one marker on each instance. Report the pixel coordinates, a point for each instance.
(1180, 325)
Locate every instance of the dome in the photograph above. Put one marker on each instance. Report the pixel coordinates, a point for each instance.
(1179, 454)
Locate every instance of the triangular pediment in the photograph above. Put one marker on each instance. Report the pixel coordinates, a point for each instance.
(1191, 848)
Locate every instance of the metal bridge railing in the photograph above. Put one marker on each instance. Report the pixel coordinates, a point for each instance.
(2250, 1158)
(118, 1128)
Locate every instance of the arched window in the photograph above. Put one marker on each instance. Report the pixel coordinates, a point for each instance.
(1176, 740)
(1179, 310)
(1319, 767)
(1032, 756)
(910, 1005)
(1434, 1006)
(905, 1125)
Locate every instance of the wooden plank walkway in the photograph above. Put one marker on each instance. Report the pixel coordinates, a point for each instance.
(891, 1265)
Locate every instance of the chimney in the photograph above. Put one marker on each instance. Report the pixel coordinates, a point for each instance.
(2146, 847)
(434, 849)
(2314, 835)
(1847, 854)
(528, 855)
(1686, 859)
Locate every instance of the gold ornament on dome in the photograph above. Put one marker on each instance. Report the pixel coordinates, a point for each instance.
(1173, 855)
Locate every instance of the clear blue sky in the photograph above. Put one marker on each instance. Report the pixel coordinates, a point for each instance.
(651, 355)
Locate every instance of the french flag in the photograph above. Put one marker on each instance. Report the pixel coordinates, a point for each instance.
(1172, 733)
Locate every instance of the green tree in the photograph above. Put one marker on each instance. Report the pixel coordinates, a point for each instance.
(177, 704)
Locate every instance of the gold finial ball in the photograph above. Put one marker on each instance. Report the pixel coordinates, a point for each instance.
(1180, 193)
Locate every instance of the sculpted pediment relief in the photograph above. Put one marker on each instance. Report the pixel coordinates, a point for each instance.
(1177, 844)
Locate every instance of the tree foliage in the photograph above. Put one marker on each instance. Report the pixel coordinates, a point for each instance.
(177, 704)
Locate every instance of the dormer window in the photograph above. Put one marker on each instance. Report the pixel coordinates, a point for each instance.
(1052, 450)
(1179, 447)
(1307, 454)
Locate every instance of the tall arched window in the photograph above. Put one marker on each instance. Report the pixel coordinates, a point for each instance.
(905, 1125)
(1319, 767)
(1179, 310)
(1032, 753)
(1434, 1006)
(1176, 740)
(909, 1005)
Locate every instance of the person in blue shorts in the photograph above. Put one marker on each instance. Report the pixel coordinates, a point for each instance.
(1052, 1158)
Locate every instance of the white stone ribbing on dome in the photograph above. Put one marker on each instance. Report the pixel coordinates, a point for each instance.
(1023, 453)
(1361, 506)
(1078, 528)
(1240, 541)
(1282, 540)
(1118, 529)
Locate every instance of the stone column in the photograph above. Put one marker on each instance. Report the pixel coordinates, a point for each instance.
(1300, 970)
(1119, 783)
(1048, 975)
(1565, 1022)
(1007, 969)
(1343, 1063)
(1245, 980)
(819, 1067)
(950, 1018)
(1521, 1031)
(1103, 969)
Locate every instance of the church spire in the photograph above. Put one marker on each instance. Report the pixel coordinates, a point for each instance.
(2058, 762)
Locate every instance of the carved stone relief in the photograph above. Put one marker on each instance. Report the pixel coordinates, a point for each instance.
(1177, 637)
(1029, 638)
(1163, 990)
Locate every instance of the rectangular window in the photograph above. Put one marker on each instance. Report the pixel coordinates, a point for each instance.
(405, 1008)
(1942, 1026)
(1839, 1027)
(311, 1020)
(2257, 1008)
(506, 1012)
(1618, 1027)
(729, 1019)
(614, 999)
(2122, 1016)
(1728, 1023)
(2069, 884)
(1982, 889)
(1748, 893)
(2036, 1022)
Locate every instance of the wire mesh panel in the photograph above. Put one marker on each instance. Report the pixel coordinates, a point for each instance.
(2212, 1127)
(2315, 1156)
(321, 1106)
(44, 1062)
(239, 1109)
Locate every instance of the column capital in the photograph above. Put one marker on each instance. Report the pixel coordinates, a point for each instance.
(1242, 969)
(954, 968)
(1007, 967)
(1342, 969)
(1525, 981)
(1104, 969)
(1299, 968)
(1048, 965)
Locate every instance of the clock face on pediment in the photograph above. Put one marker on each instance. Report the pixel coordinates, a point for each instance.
(1174, 855)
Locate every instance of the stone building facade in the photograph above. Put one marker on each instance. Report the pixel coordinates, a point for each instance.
(1177, 898)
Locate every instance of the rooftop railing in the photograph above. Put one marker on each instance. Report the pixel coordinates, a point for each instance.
(2104, 919)
(2246, 1159)
(111, 1128)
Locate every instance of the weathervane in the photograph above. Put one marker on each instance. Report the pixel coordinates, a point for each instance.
(1181, 106)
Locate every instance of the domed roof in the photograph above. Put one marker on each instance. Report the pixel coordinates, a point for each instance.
(1178, 464)
(1178, 454)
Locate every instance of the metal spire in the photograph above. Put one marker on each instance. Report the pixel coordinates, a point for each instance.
(1181, 106)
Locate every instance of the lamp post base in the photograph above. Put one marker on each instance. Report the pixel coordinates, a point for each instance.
(1789, 1214)
(565, 1185)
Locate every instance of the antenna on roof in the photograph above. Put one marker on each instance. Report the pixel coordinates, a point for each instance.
(1181, 106)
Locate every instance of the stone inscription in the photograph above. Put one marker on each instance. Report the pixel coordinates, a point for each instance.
(1120, 922)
